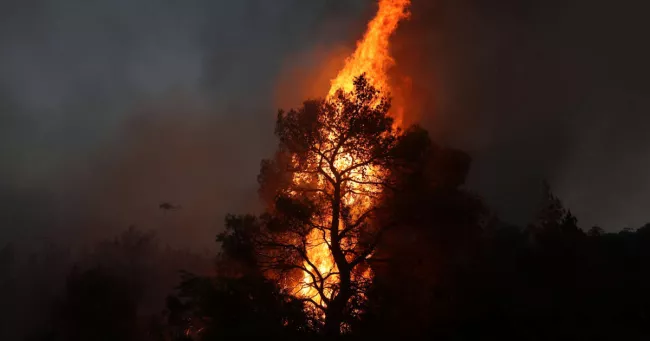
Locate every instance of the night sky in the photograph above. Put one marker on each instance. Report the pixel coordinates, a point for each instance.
(109, 107)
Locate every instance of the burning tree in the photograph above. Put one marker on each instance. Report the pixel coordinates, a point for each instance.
(326, 182)
(324, 187)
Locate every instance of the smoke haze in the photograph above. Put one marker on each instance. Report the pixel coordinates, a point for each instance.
(537, 90)
(108, 108)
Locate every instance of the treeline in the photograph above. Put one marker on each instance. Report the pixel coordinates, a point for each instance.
(548, 280)
(450, 274)
(112, 290)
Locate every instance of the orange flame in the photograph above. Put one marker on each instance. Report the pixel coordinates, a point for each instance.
(372, 55)
(373, 59)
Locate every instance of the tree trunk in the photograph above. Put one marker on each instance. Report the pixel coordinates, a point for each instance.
(335, 311)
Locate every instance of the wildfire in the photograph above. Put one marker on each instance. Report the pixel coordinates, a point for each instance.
(373, 59)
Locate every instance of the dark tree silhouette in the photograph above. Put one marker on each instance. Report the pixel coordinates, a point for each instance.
(439, 226)
(115, 291)
(239, 301)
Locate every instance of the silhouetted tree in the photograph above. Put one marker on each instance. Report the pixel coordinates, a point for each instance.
(595, 231)
(438, 230)
(553, 219)
(327, 177)
(239, 301)
(115, 291)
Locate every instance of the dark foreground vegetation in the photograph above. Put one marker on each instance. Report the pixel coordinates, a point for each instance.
(444, 266)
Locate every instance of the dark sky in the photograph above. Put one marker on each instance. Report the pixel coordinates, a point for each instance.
(108, 107)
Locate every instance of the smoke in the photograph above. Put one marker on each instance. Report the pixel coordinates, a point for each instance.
(537, 90)
(108, 108)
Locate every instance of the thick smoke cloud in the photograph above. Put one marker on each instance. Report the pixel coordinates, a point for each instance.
(108, 108)
(537, 90)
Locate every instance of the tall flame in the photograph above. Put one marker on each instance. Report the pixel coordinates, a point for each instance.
(372, 55)
(373, 59)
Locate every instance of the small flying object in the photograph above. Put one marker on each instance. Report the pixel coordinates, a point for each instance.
(167, 206)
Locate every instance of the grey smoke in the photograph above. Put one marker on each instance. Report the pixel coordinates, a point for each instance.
(101, 102)
(535, 90)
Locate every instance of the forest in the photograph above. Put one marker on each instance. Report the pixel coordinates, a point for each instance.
(368, 231)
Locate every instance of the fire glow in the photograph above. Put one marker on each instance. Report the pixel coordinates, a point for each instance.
(371, 58)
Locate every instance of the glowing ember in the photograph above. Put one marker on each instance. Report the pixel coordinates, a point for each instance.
(371, 58)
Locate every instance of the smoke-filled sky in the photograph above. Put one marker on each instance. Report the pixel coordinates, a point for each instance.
(109, 107)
